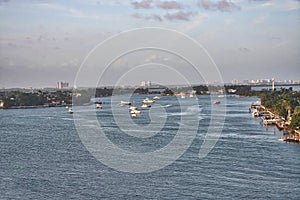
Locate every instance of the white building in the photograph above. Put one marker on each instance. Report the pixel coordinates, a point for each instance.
(62, 85)
(145, 83)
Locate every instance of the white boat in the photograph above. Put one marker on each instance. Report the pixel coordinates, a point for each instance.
(98, 106)
(135, 112)
(216, 102)
(133, 115)
(156, 98)
(147, 100)
(191, 95)
(132, 108)
(124, 103)
(145, 106)
(269, 122)
(255, 113)
(70, 111)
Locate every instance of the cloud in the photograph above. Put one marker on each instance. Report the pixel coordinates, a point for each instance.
(149, 17)
(260, 20)
(223, 5)
(48, 5)
(258, 0)
(180, 15)
(144, 4)
(243, 49)
(276, 5)
(76, 12)
(4, 1)
(169, 5)
(193, 24)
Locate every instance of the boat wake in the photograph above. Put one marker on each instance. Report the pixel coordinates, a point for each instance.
(167, 106)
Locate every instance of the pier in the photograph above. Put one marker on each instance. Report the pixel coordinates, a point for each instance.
(269, 118)
(292, 136)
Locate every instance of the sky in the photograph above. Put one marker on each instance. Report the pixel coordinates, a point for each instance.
(45, 41)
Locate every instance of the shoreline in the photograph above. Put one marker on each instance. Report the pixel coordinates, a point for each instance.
(268, 118)
(34, 106)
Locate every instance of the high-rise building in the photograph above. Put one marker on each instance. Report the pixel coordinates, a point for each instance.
(145, 83)
(245, 82)
(62, 85)
(234, 82)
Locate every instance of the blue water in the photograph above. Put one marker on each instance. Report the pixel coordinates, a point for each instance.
(42, 157)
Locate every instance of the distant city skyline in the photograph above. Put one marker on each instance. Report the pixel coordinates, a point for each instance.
(43, 42)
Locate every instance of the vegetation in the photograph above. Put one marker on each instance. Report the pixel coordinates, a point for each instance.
(281, 102)
(295, 123)
(200, 89)
(168, 92)
(38, 98)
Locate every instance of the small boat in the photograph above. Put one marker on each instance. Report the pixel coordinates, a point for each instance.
(133, 115)
(267, 122)
(156, 98)
(191, 95)
(281, 140)
(255, 113)
(132, 108)
(216, 102)
(147, 100)
(124, 103)
(135, 112)
(145, 106)
(98, 106)
(70, 111)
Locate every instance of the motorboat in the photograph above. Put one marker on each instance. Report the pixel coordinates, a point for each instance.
(132, 108)
(98, 106)
(124, 103)
(255, 113)
(70, 111)
(135, 112)
(147, 100)
(145, 106)
(133, 115)
(216, 102)
(156, 98)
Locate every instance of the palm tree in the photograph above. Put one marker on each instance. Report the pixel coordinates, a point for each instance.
(287, 107)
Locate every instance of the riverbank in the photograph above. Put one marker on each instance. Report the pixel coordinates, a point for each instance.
(268, 118)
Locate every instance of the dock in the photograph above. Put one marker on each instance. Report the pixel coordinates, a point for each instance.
(269, 118)
(294, 136)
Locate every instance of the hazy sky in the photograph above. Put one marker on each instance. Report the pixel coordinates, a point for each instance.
(43, 41)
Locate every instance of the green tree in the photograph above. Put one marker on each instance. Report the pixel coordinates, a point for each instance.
(295, 121)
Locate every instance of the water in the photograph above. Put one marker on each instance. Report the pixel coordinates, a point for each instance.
(42, 157)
